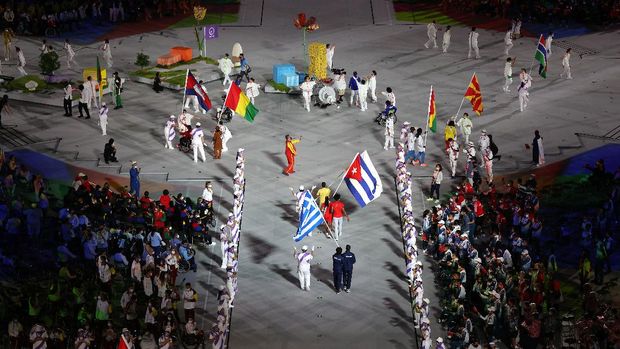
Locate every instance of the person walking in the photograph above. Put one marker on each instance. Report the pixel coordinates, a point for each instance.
(117, 90)
(83, 103)
(389, 133)
(566, 65)
(538, 152)
(245, 68)
(363, 94)
(217, 143)
(306, 88)
(347, 270)
(447, 35)
(436, 182)
(198, 136)
(337, 269)
(134, 179)
(70, 54)
(252, 90)
(487, 158)
(449, 133)
(354, 86)
(419, 148)
(169, 132)
(431, 32)
(8, 37)
(338, 213)
(21, 61)
(453, 155)
(372, 86)
(303, 266)
(473, 44)
(548, 43)
(465, 126)
(66, 101)
(290, 151)
(510, 62)
(226, 135)
(91, 86)
(103, 118)
(329, 55)
(106, 50)
(508, 42)
(226, 65)
(323, 193)
(526, 83)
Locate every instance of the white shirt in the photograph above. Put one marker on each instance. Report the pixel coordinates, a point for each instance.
(566, 60)
(484, 142)
(330, 53)
(508, 69)
(188, 299)
(307, 87)
(431, 30)
(21, 58)
(15, 328)
(389, 127)
(363, 90)
(197, 135)
(390, 97)
(103, 114)
(508, 38)
(252, 89)
(465, 125)
(372, 82)
(419, 144)
(68, 92)
(69, 49)
(303, 260)
(446, 37)
(410, 142)
(548, 43)
(473, 39)
(226, 65)
(207, 195)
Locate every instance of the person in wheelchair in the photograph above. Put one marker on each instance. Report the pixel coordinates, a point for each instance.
(389, 111)
(187, 254)
(185, 143)
(199, 229)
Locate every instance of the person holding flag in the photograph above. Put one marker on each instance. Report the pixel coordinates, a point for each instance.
(290, 151)
(195, 92)
(238, 102)
(541, 56)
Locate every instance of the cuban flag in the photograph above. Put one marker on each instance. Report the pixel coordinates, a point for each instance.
(193, 88)
(363, 180)
(310, 216)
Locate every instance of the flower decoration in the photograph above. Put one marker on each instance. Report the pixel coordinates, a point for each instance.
(306, 25)
(317, 51)
(200, 12)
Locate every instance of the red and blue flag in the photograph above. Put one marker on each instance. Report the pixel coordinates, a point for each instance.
(193, 88)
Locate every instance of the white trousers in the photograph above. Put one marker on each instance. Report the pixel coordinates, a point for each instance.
(566, 72)
(431, 40)
(304, 279)
(373, 95)
(523, 99)
(452, 165)
(108, 60)
(199, 147)
(168, 142)
(224, 141)
(355, 96)
(445, 46)
(104, 127)
(389, 142)
(475, 50)
(71, 59)
(306, 100)
(226, 79)
(194, 101)
(507, 50)
(363, 104)
(337, 227)
(507, 84)
(21, 70)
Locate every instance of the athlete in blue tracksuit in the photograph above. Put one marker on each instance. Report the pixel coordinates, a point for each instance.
(338, 261)
(134, 179)
(349, 260)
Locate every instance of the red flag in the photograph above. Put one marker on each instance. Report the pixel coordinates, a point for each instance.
(122, 343)
(355, 170)
(193, 88)
(474, 95)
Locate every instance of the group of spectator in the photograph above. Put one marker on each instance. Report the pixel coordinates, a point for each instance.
(596, 12)
(497, 271)
(109, 262)
(35, 17)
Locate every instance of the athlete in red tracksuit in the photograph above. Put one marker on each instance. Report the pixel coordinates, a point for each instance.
(290, 152)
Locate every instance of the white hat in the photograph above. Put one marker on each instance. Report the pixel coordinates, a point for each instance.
(457, 227)
(197, 124)
(133, 162)
(439, 340)
(426, 300)
(172, 116)
(484, 130)
(441, 222)
(406, 123)
(103, 104)
(81, 174)
(230, 214)
(304, 248)
(301, 188)
(418, 263)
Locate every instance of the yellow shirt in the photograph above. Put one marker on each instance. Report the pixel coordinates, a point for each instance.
(450, 133)
(322, 194)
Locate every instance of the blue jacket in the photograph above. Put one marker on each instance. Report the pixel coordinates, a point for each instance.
(353, 83)
(338, 260)
(349, 260)
(134, 175)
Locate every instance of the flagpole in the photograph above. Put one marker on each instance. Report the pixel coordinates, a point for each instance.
(428, 116)
(342, 179)
(534, 60)
(330, 232)
(184, 89)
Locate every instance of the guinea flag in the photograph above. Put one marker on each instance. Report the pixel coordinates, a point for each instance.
(432, 120)
(240, 103)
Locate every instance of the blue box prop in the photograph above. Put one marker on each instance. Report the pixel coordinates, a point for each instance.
(281, 70)
(302, 76)
(291, 80)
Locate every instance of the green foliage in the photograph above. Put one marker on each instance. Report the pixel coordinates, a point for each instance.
(49, 63)
(279, 87)
(19, 83)
(142, 60)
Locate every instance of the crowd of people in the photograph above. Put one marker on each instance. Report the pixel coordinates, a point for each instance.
(497, 272)
(45, 17)
(114, 271)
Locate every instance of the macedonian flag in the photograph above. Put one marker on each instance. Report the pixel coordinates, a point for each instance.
(474, 95)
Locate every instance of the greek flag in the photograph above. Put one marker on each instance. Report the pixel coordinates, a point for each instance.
(363, 180)
(310, 216)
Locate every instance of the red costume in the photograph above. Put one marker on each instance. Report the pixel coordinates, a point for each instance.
(290, 152)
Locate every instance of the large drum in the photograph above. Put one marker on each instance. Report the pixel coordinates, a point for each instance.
(327, 95)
